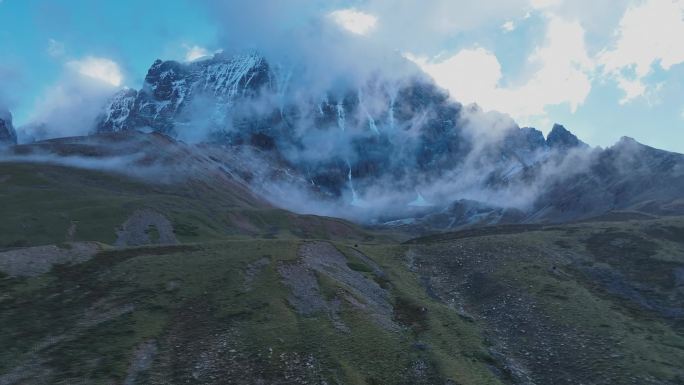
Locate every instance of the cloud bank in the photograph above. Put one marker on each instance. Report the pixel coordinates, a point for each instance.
(69, 107)
(649, 36)
(562, 74)
(621, 42)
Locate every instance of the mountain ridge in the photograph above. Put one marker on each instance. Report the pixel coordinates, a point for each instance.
(391, 152)
(136, 256)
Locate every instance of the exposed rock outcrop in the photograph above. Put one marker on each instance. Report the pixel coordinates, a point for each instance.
(8, 136)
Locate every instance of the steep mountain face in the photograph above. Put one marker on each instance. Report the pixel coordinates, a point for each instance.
(8, 135)
(627, 176)
(391, 150)
(171, 88)
(343, 142)
(241, 100)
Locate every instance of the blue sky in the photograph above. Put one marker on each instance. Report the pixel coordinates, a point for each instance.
(603, 68)
(39, 38)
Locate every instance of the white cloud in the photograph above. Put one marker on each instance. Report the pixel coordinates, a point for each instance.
(649, 34)
(68, 107)
(541, 4)
(195, 52)
(508, 26)
(561, 76)
(471, 75)
(633, 88)
(55, 48)
(354, 21)
(101, 69)
(564, 65)
(426, 27)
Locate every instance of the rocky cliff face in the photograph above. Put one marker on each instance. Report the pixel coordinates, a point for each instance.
(342, 141)
(390, 149)
(8, 135)
(170, 89)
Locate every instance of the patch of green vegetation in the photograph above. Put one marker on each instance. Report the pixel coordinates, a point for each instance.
(147, 292)
(185, 230)
(451, 342)
(359, 266)
(104, 352)
(634, 336)
(70, 311)
(153, 233)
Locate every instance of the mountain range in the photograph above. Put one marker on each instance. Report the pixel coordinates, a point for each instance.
(395, 151)
(230, 223)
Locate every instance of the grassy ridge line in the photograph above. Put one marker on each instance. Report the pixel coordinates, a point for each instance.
(510, 229)
(45, 204)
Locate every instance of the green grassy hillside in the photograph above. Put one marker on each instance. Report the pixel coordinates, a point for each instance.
(596, 302)
(47, 204)
(245, 293)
